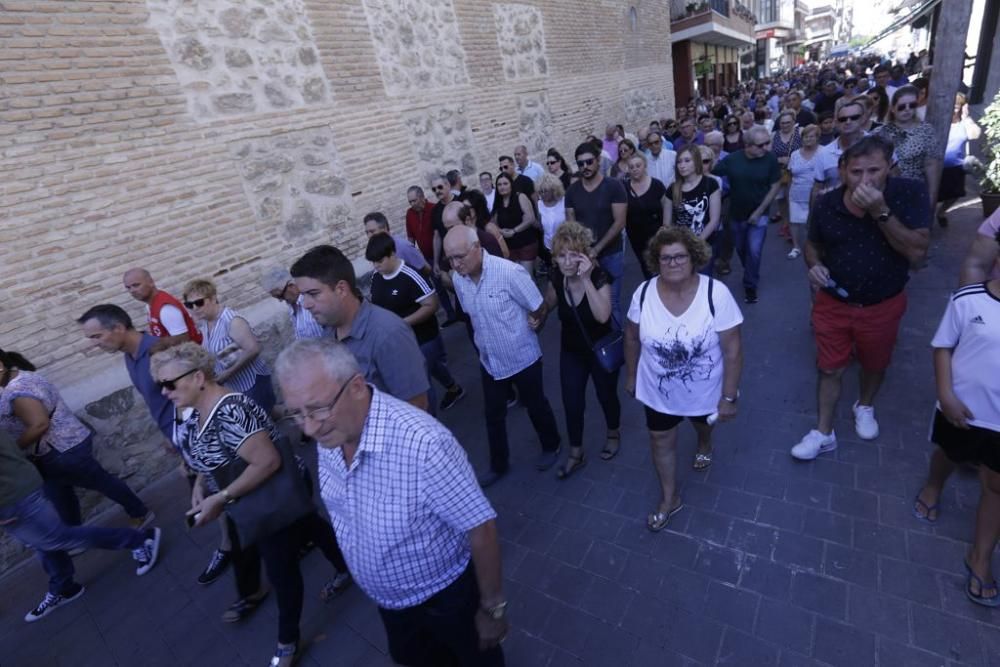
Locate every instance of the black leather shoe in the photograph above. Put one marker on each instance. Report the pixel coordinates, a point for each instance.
(490, 477)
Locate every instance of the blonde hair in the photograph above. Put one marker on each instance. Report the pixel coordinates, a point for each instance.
(190, 355)
(572, 236)
(550, 183)
(695, 151)
(812, 127)
(201, 287)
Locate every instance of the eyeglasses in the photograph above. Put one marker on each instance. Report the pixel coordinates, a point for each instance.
(763, 145)
(585, 163)
(458, 259)
(198, 303)
(320, 414)
(550, 162)
(171, 385)
(904, 107)
(673, 260)
(844, 119)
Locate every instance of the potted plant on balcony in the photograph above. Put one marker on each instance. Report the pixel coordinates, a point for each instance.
(989, 184)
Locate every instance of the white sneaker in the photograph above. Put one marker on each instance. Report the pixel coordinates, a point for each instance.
(813, 444)
(793, 253)
(864, 422)
(146, 555)
(49, 604)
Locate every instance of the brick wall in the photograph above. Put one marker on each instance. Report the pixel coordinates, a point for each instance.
(211, 139)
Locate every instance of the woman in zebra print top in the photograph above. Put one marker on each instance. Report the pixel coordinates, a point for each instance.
(228, 336)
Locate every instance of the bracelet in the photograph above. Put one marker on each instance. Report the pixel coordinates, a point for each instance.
(228, 498)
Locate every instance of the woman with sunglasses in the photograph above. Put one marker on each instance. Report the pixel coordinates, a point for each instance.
(227, 432)
(59, 444)
(732, 134)
(556, 164)
(619, 170)
(671, 130)
(227, 335)
(916, 144)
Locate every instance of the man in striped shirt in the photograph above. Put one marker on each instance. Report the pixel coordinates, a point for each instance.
(505, 308)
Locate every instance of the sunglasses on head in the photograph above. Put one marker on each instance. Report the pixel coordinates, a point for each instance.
(198, 303)
(909, 105)
(586, 162)
(844, 119)
(171, 385)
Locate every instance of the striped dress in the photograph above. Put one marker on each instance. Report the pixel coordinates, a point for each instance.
(219, 340)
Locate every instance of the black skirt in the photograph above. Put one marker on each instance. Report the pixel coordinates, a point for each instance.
(952, 183)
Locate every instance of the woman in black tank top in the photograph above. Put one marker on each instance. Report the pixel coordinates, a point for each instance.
(514, 214)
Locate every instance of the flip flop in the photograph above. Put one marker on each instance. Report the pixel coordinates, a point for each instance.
(980, 599)
(610, 452)
(702, 460)
(925, 517)
(572, 464)
(657, 521)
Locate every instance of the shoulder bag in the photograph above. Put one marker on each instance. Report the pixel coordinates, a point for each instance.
(609, 350)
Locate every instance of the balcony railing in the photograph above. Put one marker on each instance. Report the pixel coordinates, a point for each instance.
(725, 8)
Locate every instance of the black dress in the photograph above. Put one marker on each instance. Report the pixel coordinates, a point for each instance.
(509, 217)
(645, 216)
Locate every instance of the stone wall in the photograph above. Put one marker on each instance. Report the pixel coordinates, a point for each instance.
(214, 138)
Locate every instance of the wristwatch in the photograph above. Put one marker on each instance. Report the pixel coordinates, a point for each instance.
(497, 611)
(883, 216)
(731, 399)
(229, 499)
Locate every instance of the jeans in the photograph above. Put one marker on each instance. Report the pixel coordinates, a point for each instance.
(444, 298)
(495, 393)
(437, 368)
(574, 369)
(748, 237)
(441, 631)
(77, 467)
(614, 264)
(37, 524)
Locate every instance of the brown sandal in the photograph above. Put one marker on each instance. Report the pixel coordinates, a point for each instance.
(572, 464)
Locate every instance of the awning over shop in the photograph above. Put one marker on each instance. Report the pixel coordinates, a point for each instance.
(923, 9)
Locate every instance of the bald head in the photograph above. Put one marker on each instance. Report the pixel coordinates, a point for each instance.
(139, 284)
(521, 156)
(451, 217)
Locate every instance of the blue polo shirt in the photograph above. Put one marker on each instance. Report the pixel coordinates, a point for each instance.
(160, 407)
(856, 251)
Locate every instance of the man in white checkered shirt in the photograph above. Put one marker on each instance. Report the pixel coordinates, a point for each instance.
(418, 535)
(505, 308)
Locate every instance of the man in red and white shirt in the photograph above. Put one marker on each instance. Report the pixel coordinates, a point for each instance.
(168, 319)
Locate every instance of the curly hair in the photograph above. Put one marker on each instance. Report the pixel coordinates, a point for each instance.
(190, 355)
(201, 287)
(572, 236)
(697, 248)
(551, 184)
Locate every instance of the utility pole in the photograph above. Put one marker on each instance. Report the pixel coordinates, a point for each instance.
(950, 33)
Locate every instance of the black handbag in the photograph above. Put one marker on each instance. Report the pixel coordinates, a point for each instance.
(609, 350)
(280, 501)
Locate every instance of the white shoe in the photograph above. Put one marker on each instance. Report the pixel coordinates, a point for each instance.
(793, 253)
(146, 555)
(864, 422)
(813, 444)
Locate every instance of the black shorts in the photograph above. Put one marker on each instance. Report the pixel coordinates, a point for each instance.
(975, 445)
(658, 421)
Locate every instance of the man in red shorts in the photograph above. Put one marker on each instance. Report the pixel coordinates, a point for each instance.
(864, 237)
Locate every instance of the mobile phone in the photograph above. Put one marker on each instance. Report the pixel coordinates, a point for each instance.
(190, 519)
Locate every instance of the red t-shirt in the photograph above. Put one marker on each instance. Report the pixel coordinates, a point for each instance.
(420, 228)
(161, 299)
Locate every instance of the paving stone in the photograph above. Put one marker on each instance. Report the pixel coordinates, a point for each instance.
(739, 648)
(820, 594)
(737, 504)
(719, 563)
(828, 526)
(693, 635)
(699, 494)
(730, 605)
(787, 626)
(768, 578)
(894, 654)
(602, 497)
(603, 525)
(641, 573)
(765, 484)
(649, 653)
(684, 588)
(859, 567)
(728, 476)
(752, 538)
(708, 526)
(860, 504)
(537, 536)
(808, 492)
(799, 550)
(567, 628)
(834, 472)
(881, 614)
(909, 581)
(937, 552)
(954, 601)
(605, 559)
(607, 600)
(781, 514)
(570, 546)
(883, 540)
(946, 635)
(840, 644)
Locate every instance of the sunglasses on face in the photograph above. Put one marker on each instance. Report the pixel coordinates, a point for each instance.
(844, 119)
(171, 385)
(437, 188)
(763, 145)
(586, 162)
(732, 123)
(198, 303)
(904, 107)
(552, 162)
(706, 160)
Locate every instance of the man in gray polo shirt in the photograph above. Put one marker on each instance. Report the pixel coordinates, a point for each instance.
(383, 344)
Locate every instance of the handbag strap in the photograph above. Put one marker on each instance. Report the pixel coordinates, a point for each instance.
(576, 315)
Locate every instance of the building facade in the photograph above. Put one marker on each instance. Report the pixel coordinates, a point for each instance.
(780, 32)
(212, 139)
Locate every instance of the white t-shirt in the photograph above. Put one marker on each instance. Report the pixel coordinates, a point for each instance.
(680, 361)
(971, 325)
(551, 217)
(172, 319)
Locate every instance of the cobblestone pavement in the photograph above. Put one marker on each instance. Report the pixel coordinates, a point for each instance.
(771, 562)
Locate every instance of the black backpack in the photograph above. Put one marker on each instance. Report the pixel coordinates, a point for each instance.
(711, 303)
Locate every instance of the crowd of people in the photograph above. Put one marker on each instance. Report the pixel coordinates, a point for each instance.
(408, 520)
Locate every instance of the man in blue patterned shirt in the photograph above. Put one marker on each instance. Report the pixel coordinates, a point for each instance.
(418, 535)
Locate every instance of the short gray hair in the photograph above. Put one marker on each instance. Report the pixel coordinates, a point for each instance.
(190, 355)
(336, 359)
(275, 278)
(758, 132)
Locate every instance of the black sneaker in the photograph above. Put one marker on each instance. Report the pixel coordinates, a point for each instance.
(50, 603)
(750, 295)
(146, 555)
(451, 397)
(220, 561)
